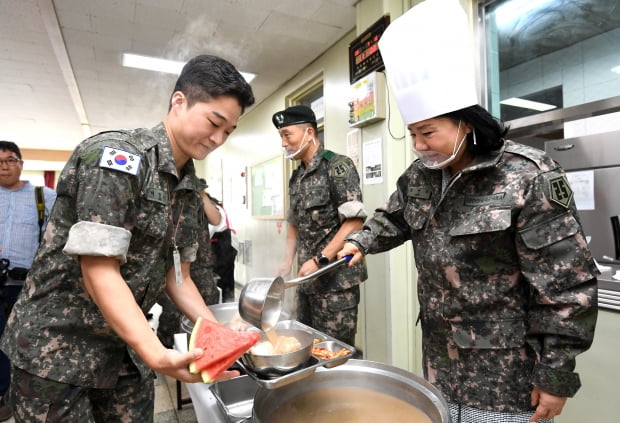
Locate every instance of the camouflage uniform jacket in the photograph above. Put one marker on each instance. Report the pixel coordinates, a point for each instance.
(321, 197)
(56, 331)
(506, 283)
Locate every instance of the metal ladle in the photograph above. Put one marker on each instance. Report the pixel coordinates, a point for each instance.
(260, 301)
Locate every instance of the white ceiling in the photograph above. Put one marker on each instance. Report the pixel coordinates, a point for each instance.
(60, 60)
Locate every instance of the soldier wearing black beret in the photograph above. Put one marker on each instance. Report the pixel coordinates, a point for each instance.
(325, 206)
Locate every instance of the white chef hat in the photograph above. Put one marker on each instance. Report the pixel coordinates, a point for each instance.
(429, 60)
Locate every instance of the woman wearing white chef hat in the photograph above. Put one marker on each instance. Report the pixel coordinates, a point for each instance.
(506, 283)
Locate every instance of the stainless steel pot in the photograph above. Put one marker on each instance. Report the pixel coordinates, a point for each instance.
(260, 300)
(363, 374)
(278, 364)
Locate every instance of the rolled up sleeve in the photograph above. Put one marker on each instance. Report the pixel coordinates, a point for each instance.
(97, 239)
(352, 210)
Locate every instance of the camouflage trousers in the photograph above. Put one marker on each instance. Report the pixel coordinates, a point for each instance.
(333, 313)
(34, 399)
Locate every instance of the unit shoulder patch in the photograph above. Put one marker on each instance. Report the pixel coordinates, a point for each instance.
(560, 191)
(340, 168)
(117, 159)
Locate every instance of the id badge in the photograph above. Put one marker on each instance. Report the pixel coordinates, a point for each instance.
(176, 257)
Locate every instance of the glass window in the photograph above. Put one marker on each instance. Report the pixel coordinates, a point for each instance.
(545, 55)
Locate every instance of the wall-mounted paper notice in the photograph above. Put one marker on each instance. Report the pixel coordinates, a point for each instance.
(582, 184)
(373, 162)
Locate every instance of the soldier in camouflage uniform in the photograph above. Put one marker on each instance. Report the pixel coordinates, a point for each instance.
(506, 284)
(325, 205)
(123, 229)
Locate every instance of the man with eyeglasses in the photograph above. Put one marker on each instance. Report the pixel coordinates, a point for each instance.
(19, 240)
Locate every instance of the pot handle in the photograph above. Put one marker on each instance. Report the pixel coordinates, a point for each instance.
(320, 272)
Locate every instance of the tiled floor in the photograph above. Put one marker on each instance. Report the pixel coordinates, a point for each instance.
(166, 403)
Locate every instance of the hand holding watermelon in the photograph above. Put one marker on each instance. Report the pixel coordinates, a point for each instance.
(221, 347)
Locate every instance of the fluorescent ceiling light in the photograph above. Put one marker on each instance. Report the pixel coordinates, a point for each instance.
(163, 65)
(152, 63)
(527, 104)
(616, 69)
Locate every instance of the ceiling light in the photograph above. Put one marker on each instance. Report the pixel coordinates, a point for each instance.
(527, 104)
(152, 63)
(616, 69)
(163, 65)
(248, 76)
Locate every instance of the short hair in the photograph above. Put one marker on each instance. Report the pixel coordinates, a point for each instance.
(206, 77)
(490, 131)
(10, 146)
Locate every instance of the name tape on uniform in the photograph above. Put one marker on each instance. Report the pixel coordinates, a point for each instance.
(117, 159)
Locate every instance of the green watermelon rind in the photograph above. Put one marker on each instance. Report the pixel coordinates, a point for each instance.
(192, 343)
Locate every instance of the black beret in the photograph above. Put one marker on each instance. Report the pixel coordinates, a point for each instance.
(293, 115)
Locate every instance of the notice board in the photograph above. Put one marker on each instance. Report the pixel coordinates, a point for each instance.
(267, 188)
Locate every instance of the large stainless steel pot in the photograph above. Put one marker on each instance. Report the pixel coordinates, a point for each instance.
(364, 374)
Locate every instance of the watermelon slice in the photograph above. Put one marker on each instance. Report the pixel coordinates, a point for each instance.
(221, 347)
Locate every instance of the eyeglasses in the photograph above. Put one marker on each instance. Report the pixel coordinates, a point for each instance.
(10, 162)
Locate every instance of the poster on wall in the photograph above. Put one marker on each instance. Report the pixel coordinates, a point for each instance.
(373, 162)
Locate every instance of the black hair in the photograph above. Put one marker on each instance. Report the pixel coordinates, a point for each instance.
(490, 131)
(10, 146)
(206, 77)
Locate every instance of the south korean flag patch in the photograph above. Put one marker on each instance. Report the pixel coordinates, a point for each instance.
(117, 159)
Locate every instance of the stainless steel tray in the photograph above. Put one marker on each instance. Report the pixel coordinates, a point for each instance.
(307, 369)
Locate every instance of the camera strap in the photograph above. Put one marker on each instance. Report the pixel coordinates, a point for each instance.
(40, 199)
